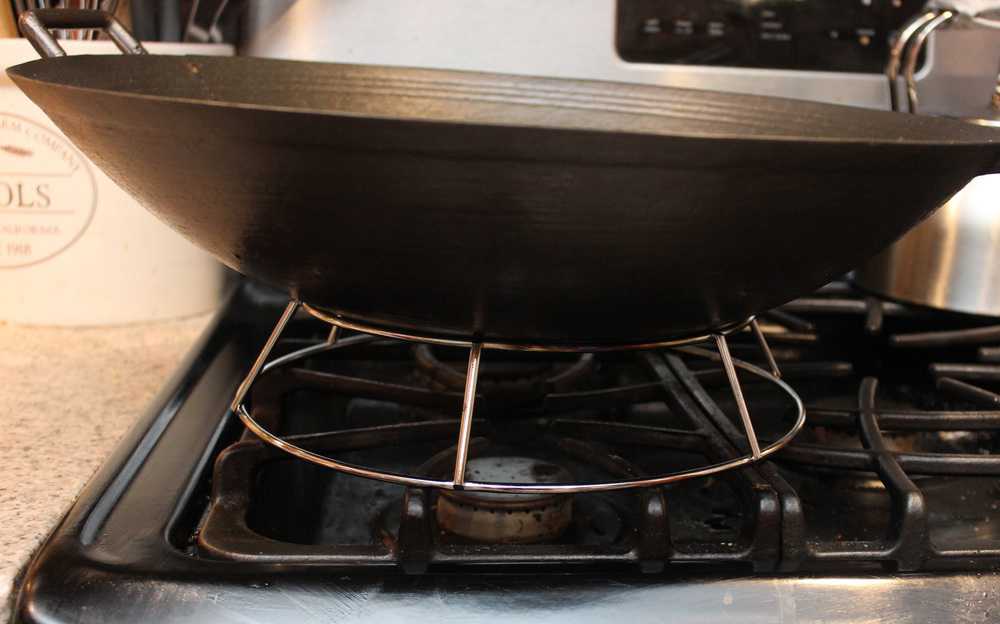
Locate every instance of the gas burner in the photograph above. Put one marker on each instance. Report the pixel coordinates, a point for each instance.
(502, 518)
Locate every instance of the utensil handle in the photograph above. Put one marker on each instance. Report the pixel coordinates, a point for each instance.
(35, 26)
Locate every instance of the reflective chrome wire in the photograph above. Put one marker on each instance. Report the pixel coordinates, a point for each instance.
(468, 407)
(506, 346)
(458, 478)
(762, 343)
(741, 404)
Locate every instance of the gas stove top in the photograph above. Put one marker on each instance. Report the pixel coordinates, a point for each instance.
(887, 504)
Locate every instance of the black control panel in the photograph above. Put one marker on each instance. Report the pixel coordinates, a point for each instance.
(826, 35)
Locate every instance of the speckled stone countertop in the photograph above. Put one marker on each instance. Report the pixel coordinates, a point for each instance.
(66, 397)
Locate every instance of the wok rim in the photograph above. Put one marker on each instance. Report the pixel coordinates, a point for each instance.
(17, 73)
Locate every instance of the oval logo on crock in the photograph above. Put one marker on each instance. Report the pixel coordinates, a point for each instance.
(48, 193)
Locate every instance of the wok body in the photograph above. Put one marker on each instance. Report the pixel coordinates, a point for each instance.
(506, 208)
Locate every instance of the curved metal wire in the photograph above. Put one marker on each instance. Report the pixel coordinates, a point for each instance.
(458, 482)
(508, 346)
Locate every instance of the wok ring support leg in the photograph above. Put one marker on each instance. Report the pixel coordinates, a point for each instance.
(459, 479)
(722, 345)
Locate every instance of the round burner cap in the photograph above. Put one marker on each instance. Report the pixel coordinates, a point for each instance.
(507, 518)
(513, 470)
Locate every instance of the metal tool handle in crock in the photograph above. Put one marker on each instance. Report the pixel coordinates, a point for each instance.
(35, 27)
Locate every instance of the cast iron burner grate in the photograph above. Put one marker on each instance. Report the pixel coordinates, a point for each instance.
(895, 470)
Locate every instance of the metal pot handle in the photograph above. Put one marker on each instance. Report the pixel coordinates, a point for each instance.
(919, 30)
(896, 51)
(913, 54)
(35, 26)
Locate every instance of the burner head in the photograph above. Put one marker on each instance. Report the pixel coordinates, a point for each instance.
(507, 518)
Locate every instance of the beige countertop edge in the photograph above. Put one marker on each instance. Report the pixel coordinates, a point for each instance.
(67, 395)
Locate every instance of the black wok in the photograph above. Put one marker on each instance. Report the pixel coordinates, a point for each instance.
(506, 208)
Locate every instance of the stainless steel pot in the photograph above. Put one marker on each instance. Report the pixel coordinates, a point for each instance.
(951, 260)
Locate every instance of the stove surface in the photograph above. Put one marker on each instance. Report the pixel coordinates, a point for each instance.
(886, 506)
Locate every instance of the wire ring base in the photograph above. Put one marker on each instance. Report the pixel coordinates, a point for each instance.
(458, 480)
